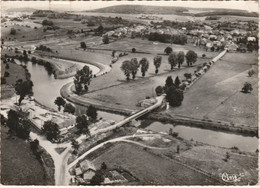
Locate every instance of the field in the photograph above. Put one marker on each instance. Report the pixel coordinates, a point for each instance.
(16, 72)
(162, 171)
(18, 164)
(217, 94)
(112, 88)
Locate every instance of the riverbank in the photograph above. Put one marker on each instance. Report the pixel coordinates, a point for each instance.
(203, 123)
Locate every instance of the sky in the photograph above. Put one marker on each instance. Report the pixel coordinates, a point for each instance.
(64, 5)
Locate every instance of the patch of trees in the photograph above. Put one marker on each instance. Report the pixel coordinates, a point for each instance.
(82, 124)
(212, 18)
(43, 48)
(23, 88)
(82, 79)
(51, 130)
(173, 91)
(130, 67)
(178, 25)
(167, 38)
(47, 23)
(17, 125)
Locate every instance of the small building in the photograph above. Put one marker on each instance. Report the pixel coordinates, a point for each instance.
(251, 39)
(78, 171)
(88, 175)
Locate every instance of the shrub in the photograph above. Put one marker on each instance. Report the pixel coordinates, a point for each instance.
(168, 50)
(247, 88)
(133, 50)
(251, 73)
(7, 66)
(13, 31)
(159, 90)
(3, 80)
(203, 55)
(47, 23)
(187, 76)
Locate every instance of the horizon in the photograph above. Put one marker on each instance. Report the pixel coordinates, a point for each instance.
(251, 6)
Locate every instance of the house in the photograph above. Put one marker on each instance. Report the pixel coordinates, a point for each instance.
(213, 37)
(86, 165)
(251, 39)
(88, 175)
(78, 171)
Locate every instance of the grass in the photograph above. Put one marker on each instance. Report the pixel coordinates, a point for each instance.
(16, 72)
(220, 87)
(18, 164)
(161, 171)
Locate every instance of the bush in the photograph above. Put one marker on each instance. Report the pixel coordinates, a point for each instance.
(105, 39)
(6, 74)
(7, 66)
(187, 76)
(247, 88)
(3, 80)
(168, 50)
(251, 73)
(133, 50)
(47, 23)
(159, 90)
(69, 108)
(203, 55)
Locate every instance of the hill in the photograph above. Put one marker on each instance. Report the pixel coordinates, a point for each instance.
(143, 9)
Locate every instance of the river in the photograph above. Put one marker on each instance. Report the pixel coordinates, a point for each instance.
(47, 88)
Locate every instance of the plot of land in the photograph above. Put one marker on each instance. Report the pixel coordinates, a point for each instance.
(150, 169)
(18, 164)
(217, 94)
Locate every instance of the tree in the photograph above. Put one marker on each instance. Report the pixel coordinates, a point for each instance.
(92, 112)
(97, 179)
(51, 130)
(59, 101)
(247, 88)
(168, 82)
(82, 124)
(23, 88)
(172, 59)
(250, 72)
(13, 31)
(126, 68)
(168, 50)
(83, 45)
(133, 50)
(174, 96)
(68, 107)
(103, 166)
(177, 81)
(144, 65)
(187, 76)
(134, 67)
(180, 58)
(157, 63)
(113, 53)
(159, 90)
(75, 146)
(105, 39)
(191, 57)
(17, 125)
